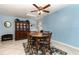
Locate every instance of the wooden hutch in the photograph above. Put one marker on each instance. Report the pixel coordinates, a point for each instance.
(22, 29)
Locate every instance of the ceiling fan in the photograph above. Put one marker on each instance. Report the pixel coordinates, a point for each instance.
(41, 9)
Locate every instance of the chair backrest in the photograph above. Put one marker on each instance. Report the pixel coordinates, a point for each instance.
(50, 35)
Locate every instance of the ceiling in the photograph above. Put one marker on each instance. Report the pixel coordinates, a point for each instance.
(23, 10)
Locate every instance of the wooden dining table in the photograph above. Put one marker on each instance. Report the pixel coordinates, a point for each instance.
(38, 37)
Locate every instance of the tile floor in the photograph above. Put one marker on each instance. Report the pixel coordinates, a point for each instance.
(12, 47)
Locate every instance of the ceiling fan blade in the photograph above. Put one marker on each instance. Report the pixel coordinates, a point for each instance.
(34, 11)
(45, 11)
(46, 6)
(36, 6)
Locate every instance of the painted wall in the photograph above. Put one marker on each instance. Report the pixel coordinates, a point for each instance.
(64, 24)
(11, 30)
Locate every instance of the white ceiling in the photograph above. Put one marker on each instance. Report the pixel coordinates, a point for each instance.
(23, 10)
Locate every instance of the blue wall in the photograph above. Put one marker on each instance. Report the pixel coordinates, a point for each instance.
(11, 30)
(4, 30)
(64, 24)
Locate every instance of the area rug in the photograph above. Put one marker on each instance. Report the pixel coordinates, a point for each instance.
(53, 50)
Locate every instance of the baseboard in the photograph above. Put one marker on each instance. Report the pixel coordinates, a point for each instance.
(64, 44)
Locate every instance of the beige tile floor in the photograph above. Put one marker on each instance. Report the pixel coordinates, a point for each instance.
(12, 47)
(16, 48)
